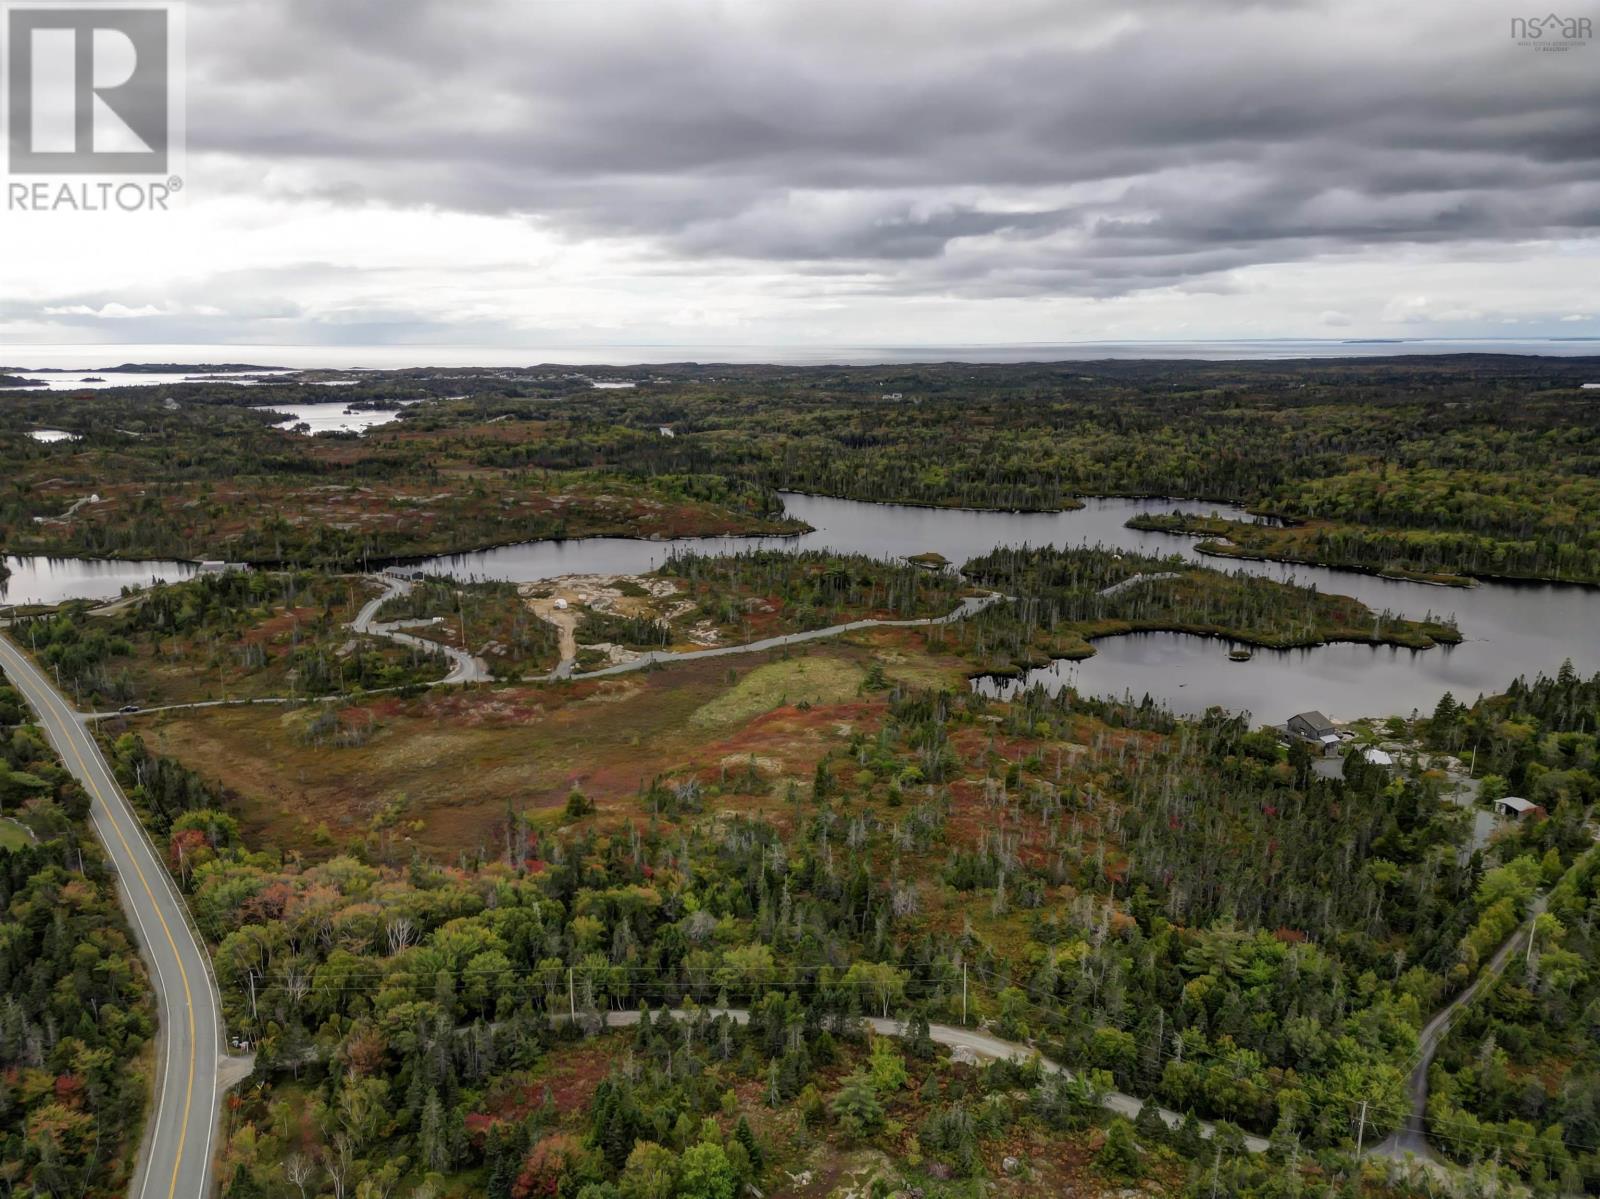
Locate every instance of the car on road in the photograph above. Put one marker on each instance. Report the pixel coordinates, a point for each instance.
(129, 708)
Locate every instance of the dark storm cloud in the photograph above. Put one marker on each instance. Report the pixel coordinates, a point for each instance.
(986, 148)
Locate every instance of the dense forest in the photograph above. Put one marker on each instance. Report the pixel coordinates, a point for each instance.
(816, 588)
(1448, 557)
(1494, 459)
(75, 1011)
(1519, 1076)
(411, 1017)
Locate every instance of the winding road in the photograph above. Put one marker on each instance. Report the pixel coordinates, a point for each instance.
(1411, 1137)
(980, 1045)
(468, 668)
(464, 667)
(968, 607)
(175, 1159)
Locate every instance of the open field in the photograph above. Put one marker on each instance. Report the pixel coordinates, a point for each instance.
(442, 770)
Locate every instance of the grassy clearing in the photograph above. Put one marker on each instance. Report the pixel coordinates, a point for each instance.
(815, 680)
(441, 770)
(908, 658)
(13, 835)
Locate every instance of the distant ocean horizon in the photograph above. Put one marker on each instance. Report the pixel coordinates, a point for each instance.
(91, 357)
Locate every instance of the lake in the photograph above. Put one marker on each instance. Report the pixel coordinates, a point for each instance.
(334, 416)
(1510, 629)
(36, 579)
(99, 380)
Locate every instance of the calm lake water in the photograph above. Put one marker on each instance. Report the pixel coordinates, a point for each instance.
(329, 417)
(93, 380)
(36, 579)
(1510, 629)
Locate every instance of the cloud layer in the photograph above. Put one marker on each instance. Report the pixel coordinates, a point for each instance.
(796, 171)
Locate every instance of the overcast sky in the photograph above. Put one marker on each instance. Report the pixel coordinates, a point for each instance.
(861, 172)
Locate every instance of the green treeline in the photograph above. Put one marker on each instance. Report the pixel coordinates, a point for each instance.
(1534, 549)
(163, 789)
(814, 588)
(638, 632)
(1495, 458)
(1519, 1074)
(265, 630)
(1260, 985)
(1063, 597)
(75, 1009)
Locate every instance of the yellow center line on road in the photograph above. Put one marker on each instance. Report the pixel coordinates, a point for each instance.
(68, 728)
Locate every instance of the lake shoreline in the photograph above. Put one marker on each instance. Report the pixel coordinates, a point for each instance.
(1202, 542)
(1210, 633)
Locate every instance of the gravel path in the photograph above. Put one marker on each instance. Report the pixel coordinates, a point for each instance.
(967, 608)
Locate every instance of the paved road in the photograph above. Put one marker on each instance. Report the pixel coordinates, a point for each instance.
(176, 1156)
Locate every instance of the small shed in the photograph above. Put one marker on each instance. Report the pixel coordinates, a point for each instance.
(1516, 808)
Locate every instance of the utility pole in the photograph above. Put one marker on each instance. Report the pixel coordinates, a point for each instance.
(963, 994)
(1361, 1133)
(572, 997)
(1216, 1167)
